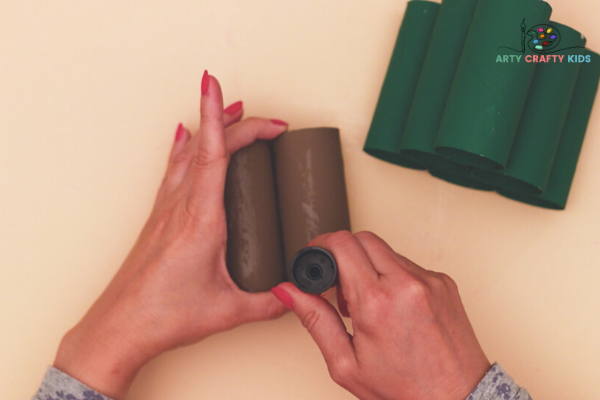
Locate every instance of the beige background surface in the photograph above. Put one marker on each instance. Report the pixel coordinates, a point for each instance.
(90, 95)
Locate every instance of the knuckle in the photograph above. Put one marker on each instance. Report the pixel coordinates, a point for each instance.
(162, 221)
(339, 239)
(181, 158)
(449, 282)
(206, 160)
(405, 262)
(342, 372)
(436, 281)
(377, 304)
(367, 236)
(191, 209)
(441, 283)
(274, 311)
(311, 320)
(228, 318)
(416, 292)
(199, 217)
(255, 121)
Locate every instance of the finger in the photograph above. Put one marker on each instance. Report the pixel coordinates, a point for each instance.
(354, 267)
(383, 258)
(209, 165)
(411, 266)
(184, 145)
(233, 113)
(342, 303)
(211, 140)
(324, 325)
(175, 169)
(247, 131)
(260, 307)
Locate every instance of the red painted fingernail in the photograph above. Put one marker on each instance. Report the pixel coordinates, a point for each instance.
(279, 122)
(283, 297)
(234, 108)
(180, 131)
(205, 82)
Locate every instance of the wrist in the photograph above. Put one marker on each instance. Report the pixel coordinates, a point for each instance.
(101, 358)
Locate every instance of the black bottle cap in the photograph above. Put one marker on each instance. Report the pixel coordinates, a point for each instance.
(314, 270)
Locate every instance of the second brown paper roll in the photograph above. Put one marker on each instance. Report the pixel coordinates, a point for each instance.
(278, 198)
(311, 186)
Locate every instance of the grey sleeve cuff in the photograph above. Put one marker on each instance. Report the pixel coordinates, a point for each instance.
(59, 386)
(495, 385)
(498, 385)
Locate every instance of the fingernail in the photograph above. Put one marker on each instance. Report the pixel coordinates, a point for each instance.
(234, 108)
(279, 122)
(283, 297)
(205, 81)
(180, 131)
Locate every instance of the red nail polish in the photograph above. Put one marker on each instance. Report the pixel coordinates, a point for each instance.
(234, 108)
(205, 82)
(279, 122)
(180, 131)
(283, 297)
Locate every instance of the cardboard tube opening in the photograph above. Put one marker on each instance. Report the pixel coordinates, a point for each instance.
(531, 200)
(467, 158)
(434, 161)
(394, 158)
(461, 179)
(499, 180)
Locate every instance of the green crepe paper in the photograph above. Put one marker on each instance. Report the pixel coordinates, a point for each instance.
(461, 178)
(443, 55)
(487, 98)
(400, 82)
(532, 155)
(565, 162)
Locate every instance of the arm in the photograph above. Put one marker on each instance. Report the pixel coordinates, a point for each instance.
(173, 289)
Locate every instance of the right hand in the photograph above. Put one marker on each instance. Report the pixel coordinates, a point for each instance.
(412, 338)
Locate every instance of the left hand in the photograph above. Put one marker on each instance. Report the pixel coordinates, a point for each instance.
(173, 289)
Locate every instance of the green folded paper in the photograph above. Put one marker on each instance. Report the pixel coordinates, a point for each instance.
(487, 97)
(443, 56)
(569, 148)
(400, 82)
(532, 155)
(461, 178)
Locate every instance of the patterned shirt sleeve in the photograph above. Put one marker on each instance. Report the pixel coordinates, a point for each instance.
(498, 385)
(495, 385)
(59, 386)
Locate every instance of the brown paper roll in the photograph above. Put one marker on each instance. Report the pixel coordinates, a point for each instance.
(254, 246)
(311, 186)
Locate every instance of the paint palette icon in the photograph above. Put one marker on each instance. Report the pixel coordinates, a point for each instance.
(543, 38)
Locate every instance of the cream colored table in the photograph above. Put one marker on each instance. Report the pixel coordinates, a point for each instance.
(90, 95)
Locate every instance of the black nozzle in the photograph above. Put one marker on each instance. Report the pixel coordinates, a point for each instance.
(314, 270)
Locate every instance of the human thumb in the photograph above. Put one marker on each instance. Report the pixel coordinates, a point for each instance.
(323, 323)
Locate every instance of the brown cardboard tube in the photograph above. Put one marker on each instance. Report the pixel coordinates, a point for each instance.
(254, 247)
(311, 186)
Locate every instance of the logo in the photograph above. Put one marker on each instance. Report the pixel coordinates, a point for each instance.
(543, 39)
